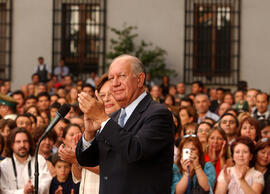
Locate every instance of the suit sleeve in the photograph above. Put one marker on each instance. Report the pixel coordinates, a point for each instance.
(88, 157)
(154, 134)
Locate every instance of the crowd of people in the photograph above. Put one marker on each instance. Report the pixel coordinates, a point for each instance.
(219, 140)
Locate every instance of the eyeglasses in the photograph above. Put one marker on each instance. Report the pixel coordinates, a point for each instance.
(225, 122)
(203, 130)
(191, 135)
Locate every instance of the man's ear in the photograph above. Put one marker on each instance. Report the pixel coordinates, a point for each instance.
(141, 78)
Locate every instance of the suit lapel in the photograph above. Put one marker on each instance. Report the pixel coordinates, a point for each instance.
(136, 114)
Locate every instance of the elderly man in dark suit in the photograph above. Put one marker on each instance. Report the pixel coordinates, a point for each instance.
(134, 147)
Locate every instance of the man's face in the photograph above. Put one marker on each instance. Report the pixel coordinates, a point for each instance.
(155, 92)
(35, 79)
(261, 103)
(251, 97)
(24, 122)
(68, 81)
(61, 92)
(61, 63)
(213, 94)
(43, 103)
(195, 88)
(41, 88)
(125, 85)
(88, 90)
(78, 121)
(3, 110)
(40, 60)
(19, 99)
(7, 85)
(202, 104)
(223, 108)
(46, 145)
(228, 124)
(30, 102)
(31, 89)
(220, 95)
(21, 145)
(238, 96)
(180, 88)
(53, 112)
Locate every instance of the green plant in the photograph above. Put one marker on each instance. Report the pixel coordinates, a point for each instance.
(152, 57)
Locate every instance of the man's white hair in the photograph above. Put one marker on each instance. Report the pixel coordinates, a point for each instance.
(137, 65)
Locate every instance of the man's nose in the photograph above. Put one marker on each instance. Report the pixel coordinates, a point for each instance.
(115, 81)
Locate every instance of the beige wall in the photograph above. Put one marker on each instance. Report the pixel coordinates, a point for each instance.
(162, 22)
(158, 21)
(32, 37)
(255, 52)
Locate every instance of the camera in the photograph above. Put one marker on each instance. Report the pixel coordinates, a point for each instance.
(186, 154)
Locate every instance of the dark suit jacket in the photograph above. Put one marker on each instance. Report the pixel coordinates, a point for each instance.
(138, 158)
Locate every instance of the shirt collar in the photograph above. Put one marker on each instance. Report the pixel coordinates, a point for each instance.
(131, 107)
(265, 114)
(25, 162)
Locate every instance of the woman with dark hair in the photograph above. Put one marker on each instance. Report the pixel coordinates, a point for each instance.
(262, 161)
(69, 132)
(32, 110)
(6, 125)
(202, 131)
(241, 178)
(249, 127)
(169, 100)
(187, 114)
(89, 175)
(190, 173)
(72, 96)
(217, 147)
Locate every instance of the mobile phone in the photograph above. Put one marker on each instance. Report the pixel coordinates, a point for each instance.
(186, 154)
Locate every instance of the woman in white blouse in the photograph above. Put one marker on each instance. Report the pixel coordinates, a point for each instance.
(240, 179)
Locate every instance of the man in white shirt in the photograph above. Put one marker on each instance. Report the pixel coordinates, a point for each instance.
(43, 70)
(17, 170)
(202, 104)
(261, 112)
(61, 70)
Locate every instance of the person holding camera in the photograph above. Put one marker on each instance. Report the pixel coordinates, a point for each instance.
(190, 172)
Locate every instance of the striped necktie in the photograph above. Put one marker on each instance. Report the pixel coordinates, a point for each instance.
(121, 119)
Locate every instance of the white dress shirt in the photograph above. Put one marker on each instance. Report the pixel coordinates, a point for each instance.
(41, 67)
(8, 180)
(209, 114)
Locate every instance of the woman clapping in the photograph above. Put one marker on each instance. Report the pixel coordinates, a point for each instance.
(240, 178)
